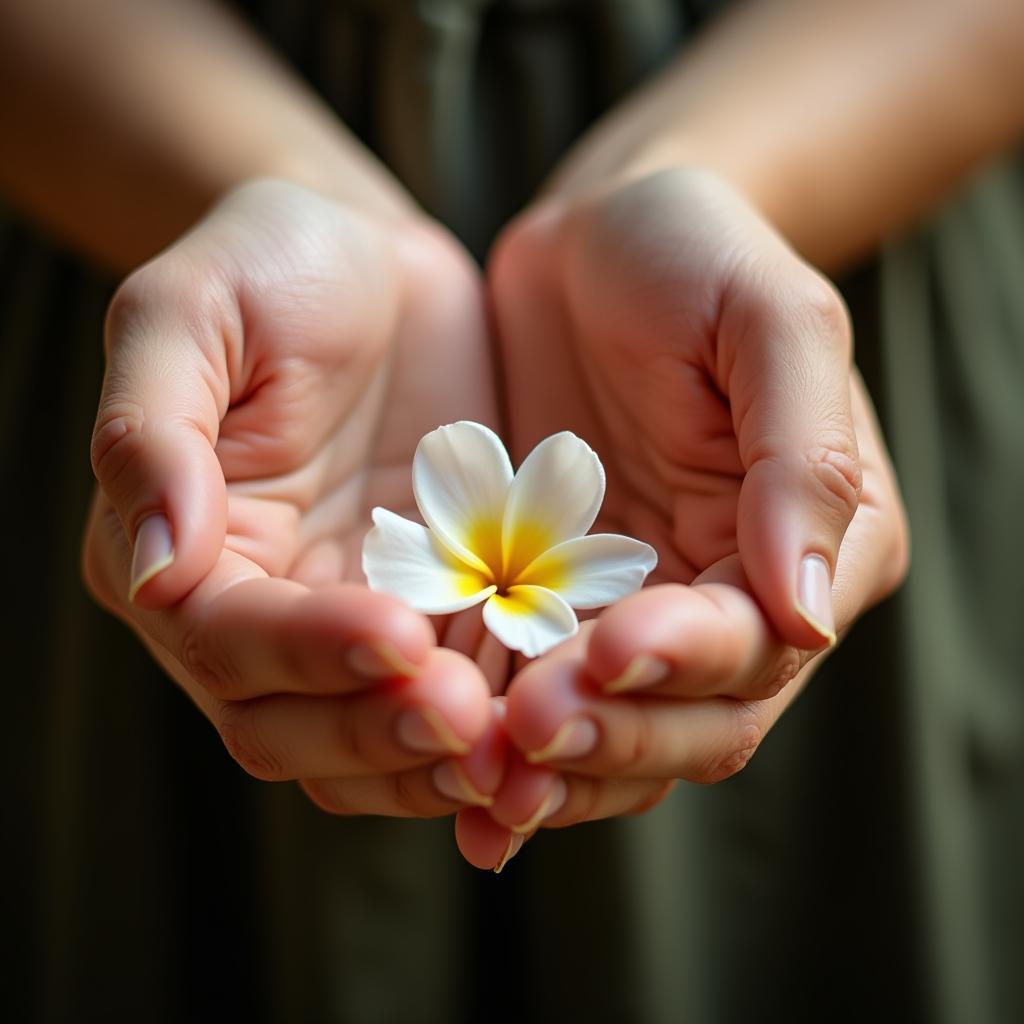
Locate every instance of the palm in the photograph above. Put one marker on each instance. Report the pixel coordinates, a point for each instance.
(614, 338)
(352, 350)
(315, 348)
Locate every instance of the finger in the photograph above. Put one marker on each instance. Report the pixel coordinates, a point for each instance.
(532, 797)
(712, 638)
(413, 792)
(558, 720)
(240, 634)
(475, 778)
(528, 796)
(396, 726)
(485, 843)
(164, 392)
(401, 795)
(673, 640)
(590, 799)
(553, 715)
(875, 555)
(787, 349)
(266, 636)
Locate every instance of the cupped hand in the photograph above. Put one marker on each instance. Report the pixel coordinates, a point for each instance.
(268, 378)
(664, 321)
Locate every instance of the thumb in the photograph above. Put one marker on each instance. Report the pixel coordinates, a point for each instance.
(153, 443)
(789, 386)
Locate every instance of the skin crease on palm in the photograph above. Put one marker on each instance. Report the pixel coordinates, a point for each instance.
(327, 348)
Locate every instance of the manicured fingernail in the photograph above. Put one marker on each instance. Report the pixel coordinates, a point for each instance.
(380, 661)
(154, 551)
(453, 782)
(644, 670)
(575, 738)
(814, 597)
(515, 844)
(425, 731)
(551, 804)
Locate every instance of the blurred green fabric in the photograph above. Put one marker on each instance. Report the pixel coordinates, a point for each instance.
(865, 866)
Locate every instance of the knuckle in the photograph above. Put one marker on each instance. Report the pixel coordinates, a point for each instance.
(730, 766)
(592, 800)
(835, 471)
(583, 802)
(406, 800)
(243, 734)
(744, 734)
(131, 302)
(354, 745)
(639, 750)
(821, 303)
(780, 671)
(747, 727)
(172, 285)
(209, 664)
(770, 293)
(117, 440)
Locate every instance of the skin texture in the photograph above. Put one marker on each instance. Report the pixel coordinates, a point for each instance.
(754, 444)
(263, 384)
(842, 122)
(193, 105)
(263, 392)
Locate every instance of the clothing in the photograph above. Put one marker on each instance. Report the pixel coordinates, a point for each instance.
(865, 866)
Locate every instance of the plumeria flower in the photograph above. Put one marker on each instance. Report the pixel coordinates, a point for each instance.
(515, 542)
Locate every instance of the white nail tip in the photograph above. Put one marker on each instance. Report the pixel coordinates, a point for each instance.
(153, 552)
(814, 597)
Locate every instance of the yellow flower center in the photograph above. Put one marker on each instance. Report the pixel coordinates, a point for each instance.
(507, 563)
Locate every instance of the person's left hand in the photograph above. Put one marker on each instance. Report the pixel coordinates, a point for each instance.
(669, 326)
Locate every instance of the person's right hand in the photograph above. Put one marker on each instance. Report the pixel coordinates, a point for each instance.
(268, 378)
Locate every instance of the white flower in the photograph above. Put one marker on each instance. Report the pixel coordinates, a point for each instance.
(515, 542)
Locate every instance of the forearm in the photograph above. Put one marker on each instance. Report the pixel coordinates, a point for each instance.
(842, 120)
(126, 118)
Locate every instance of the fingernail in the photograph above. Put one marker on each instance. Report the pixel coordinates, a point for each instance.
(551, 804)
(453, 782)
(154, 551)
(380, 661)
(644, 670)
(575, 738)
(515, 844)
(814, 597)
(425, 731)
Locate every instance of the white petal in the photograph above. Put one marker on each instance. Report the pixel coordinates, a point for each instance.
(555, 496)
(405, 559)
(593, 571)
(530, 619)
(461, 475)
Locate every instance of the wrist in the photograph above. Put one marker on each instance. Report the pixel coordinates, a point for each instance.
(602, 165)
(341, 170)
